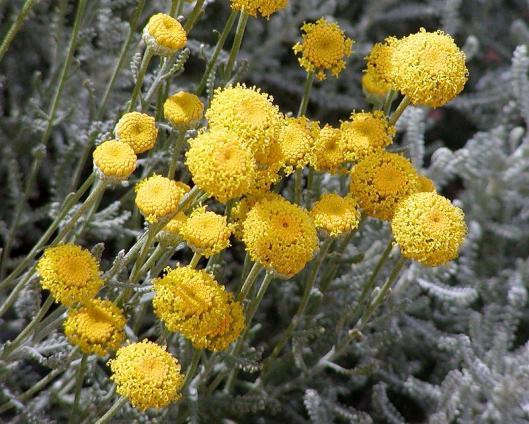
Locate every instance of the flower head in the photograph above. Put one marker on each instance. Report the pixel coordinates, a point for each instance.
(157, 197)
(428, 228)
(206, 232)
(192, 303)
(324, 48)
(265, 7)
(268, 165)
(428, 68)
(377, 77)
(336, 215)
(171, 234)
(114, 159)
(147, 375)
(297, 142)
(425, 184)
(380, 181)
(365, 133)
(328, 155)
(183, 109)
(164, 34)
(220, 165)
(138, 130)
(280, 236)
(70, 273)
(240, 210)
(96, 327)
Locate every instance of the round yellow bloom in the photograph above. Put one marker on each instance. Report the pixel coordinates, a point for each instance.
(328, 155)
(268, 165)
(335, 214)
(206, 232)
(191, 302)
(240, 210)
(70, 273)
(147, 375)
(158, 197)
(114, 159)
(183, 110)
(379, 66)
(426, 184)
(428, 228)
(97, 327)
(138, 130)
(373, 86)
(365, 133)
(324, 48)
(171, 234)
(265, 7)
(297, 142)
(428, 68)
(248, 113)
(164, 35)
(380, 181)
(220, 165)
(280, 236)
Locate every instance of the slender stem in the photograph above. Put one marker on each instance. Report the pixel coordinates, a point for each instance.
(15, 26)
(78, 386)
(177, 148)
(194, 260)
(306, 94)
(400, 108)
(147, 56)
(249, 282)
(192, 368)
(218, 48)
(175, 7)
(334, 264)
(237, 41)
(112, 411)
(298, 182)
(191, 21)
(388, 101)
(310, 184)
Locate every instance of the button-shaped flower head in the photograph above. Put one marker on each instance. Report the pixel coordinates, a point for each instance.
(336, 215)
(183, 110)
(328, 155)
(297, 142)
(377, 76)
(164, 35)
(114, 160)
(138, 130)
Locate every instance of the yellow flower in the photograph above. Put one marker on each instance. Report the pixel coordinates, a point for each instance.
(324, 48)
(428, 228)
(297, 142)
(280, 236)
(328, 155)
(426, 184)
(265, 7)
(191, 302)
(336, 215)
(206, 232)
(220, 165)
(268, 165)
(114, 159)
(158, 197)
(240, 210)
(147, 375)
(164, 35)
(365, 133)
(373, 86)
(183, 110)
(138, 130)
(248, 113)
(97, 327)
(379, 66)
(380, 181)
(428, 68)
(70, 273)
(171, 234)
(269, 7)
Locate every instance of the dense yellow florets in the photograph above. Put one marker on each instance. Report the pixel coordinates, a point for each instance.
(428, 68)
(138, 130)
(264, 7)
(280, 236)
(297, 142)
(380, 181)
(97, 327)
(324, 48)
(268, 166)
(114, 159)
(164, 34)
(365, 133)
(379, 66)
(158, 197)
(373, 86)
(183, 109)
(70, 273)
(220, 165)
(192, 303)
(425, 184)
(336, 215)
(328, 155)
(147, 375)
(428, 228)
(206, 232)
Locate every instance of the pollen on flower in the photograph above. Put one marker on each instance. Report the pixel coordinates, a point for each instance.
(380, 181)
(183, 109)
(147, 375)
(428, 228)
(206, 232)
(336, 215)
(97, 327)
(280, 236)
(324, 47)
(220, 165)
(297, 142)
(157, 197)
(328, 155)
(114, 159)
(138, 130)
(191, 302)
(70, 273)
(164, 34)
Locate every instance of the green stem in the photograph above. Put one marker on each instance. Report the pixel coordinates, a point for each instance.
(78, 386)
(334, 264)
(298, 182)
(306, 94)
(191, 21)
(310, 184)
(112, 411)
(177, 148)
(15, 26)
(400, 108)
(147, 56)
(388, 101)
(249, 282)
(175, 7)
(237, 41)
(194, 260)
(192, 368)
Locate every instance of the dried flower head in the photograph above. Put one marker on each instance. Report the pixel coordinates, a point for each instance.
(114, 160)
(164, 35)
(138, 130)
(183, 110)
(265, 7)
(428, 228)
(70, 273)
(147, 375)
(336, 215)
(297, 142)
(328, 155)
